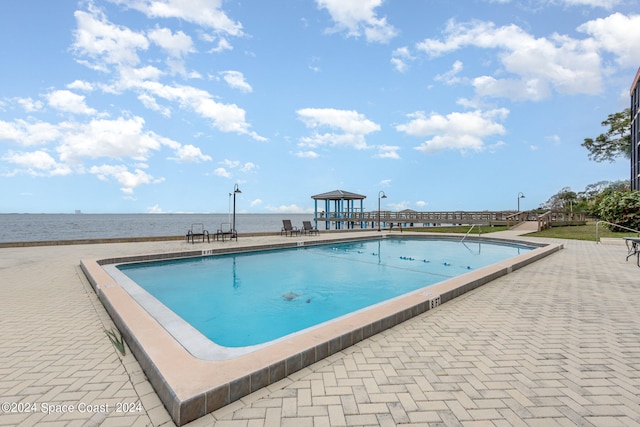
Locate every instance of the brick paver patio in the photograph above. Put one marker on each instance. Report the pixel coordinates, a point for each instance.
(554, 343)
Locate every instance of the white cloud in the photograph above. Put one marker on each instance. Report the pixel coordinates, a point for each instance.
(225, 117)
(115, 139)
(230, 163)
(206, 13)
(81, 85)
(36, 163)
(222, 172)
(151, 103)
(155, 209)
(451, 76)
(29, 105)
(256, 202)
(190, 154)
(400, 59)
(606, 4)
(128, 180)
(617, 34)
(421, 204)
(248, 167)
(102, 45)
(235, 79)
(533, 89)
(223, 44)
(387, 152)
(565, 64)
(307, 154)
(29, 134)
(78, 144)
(399, 206)
(69, 102)
(359, 18)
(176, 44)
(353, 127)
(455, 131)
(105, 44)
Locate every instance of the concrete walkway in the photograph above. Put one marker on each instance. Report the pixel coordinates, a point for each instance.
(554, 343)
(523, 228)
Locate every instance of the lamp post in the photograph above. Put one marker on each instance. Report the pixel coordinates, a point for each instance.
(520, 196)
(381, 195)
(229, 210)
(236, 190)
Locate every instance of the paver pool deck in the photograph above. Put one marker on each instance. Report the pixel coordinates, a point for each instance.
(554, 343)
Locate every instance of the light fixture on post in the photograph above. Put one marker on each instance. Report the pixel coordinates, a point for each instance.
(381, 195)
(520, 196)
(236, 190)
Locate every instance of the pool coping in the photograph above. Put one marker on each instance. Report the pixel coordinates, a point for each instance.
(190, 387)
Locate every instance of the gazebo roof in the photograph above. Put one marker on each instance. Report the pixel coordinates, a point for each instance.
(338, 195)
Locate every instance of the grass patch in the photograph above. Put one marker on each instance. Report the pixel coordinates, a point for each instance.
(116, 340)
(574, 232)
(581, 232)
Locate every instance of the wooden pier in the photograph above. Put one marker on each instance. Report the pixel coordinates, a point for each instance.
(409, 218)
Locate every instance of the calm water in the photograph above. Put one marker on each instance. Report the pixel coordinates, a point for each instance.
(246, 299)
(37, 227)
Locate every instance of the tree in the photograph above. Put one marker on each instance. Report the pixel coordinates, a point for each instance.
(622, 208)
(561, 201)
(593, 194)
(584, 201)
(615, 142)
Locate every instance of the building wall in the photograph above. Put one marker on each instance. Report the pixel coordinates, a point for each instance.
(635, 133)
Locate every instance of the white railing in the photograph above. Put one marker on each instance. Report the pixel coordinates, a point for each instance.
(424, 217)
(467, 234)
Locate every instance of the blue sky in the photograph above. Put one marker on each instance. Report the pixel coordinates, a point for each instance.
(113, 106)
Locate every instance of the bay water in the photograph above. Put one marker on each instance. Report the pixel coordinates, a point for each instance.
(40, 227)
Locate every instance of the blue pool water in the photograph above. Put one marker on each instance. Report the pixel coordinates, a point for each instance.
(246, 299)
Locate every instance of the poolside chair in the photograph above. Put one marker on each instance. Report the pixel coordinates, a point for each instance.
(633, 248)
(197, 231)
(307, 228)
(288, 229)
(225, 230)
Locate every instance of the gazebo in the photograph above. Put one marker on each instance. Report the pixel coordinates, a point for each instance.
(344, 213)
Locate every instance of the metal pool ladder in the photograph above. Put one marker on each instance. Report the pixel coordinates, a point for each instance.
(479, 232)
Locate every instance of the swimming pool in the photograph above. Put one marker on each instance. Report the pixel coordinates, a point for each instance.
(191, 384)
(243, 301)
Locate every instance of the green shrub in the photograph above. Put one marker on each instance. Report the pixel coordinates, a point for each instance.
(622, 208)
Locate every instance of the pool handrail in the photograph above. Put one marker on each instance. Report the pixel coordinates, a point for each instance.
(469, 231)
(616, 225)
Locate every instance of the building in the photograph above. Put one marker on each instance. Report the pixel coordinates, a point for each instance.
(635, 133)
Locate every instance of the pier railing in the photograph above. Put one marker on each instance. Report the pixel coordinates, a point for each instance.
(508, 218)
(418, 217)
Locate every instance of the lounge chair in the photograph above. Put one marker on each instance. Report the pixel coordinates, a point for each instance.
(307, 228)
(197, 231)
(225, 230)
(288, 229)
